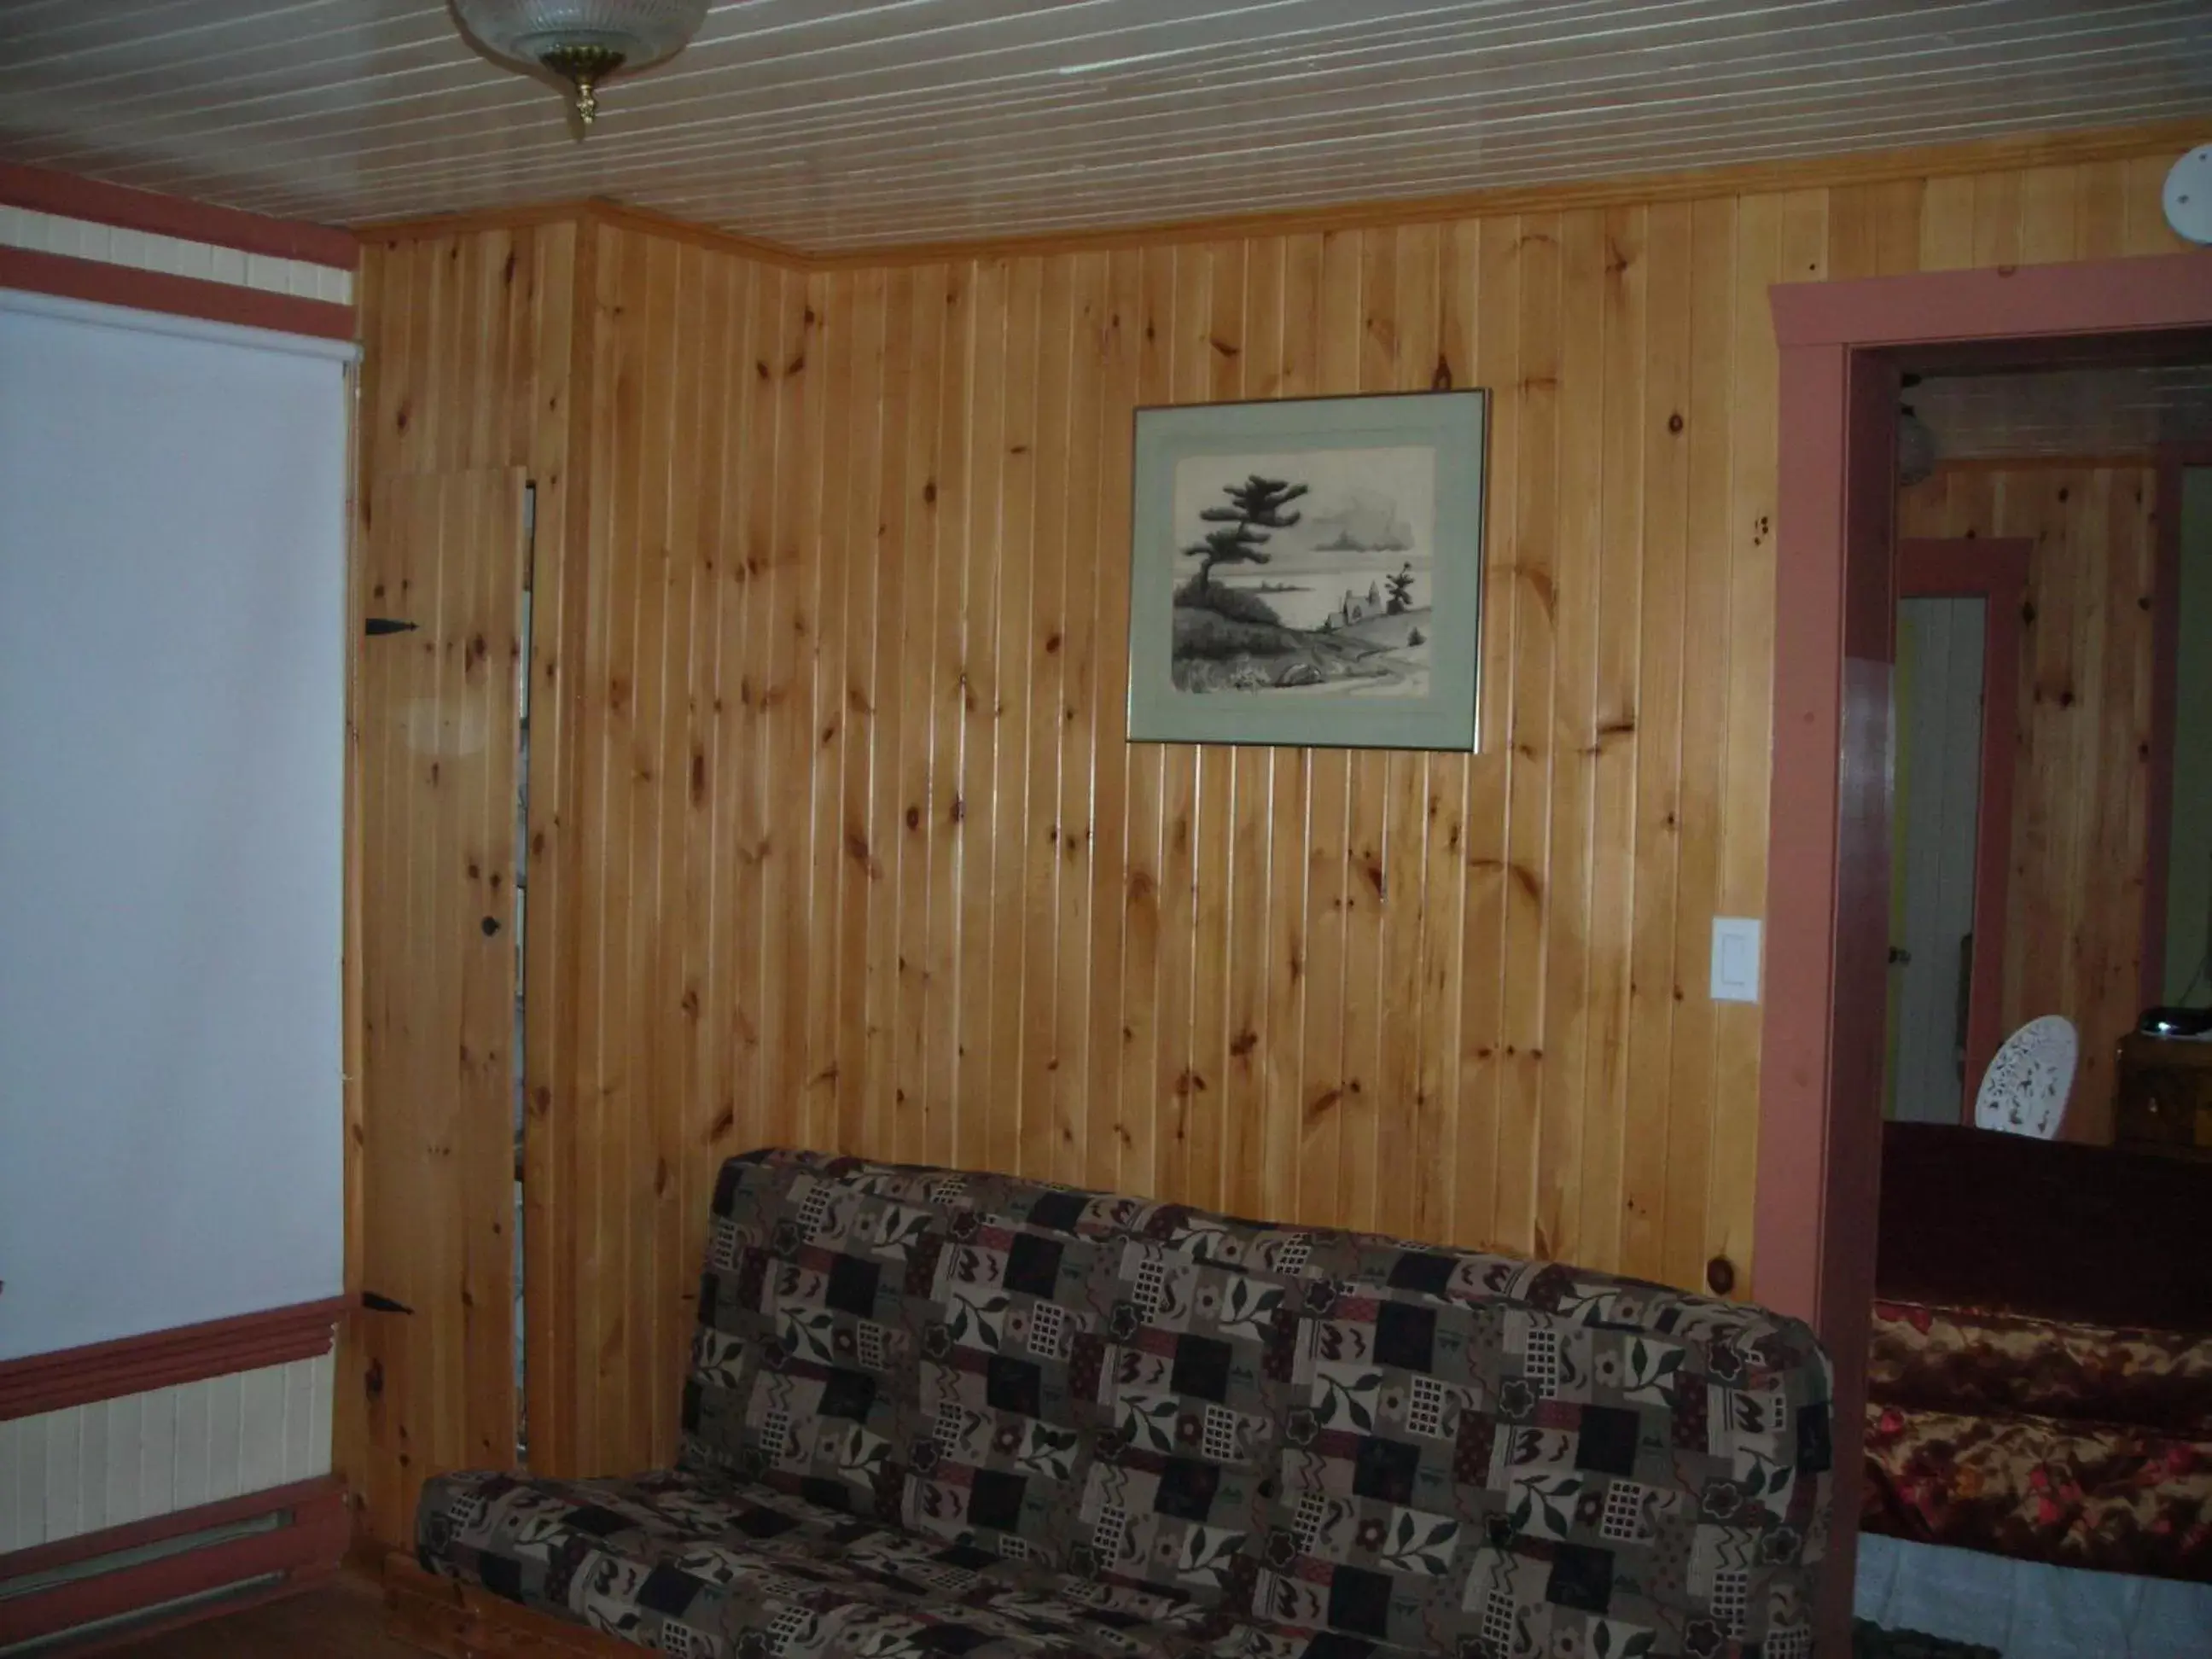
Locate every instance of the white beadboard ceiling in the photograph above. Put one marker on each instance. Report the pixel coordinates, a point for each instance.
(834, 126)
(2066, 412)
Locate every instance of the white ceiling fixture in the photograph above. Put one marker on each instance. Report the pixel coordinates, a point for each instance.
(2189, 196)
(584, 42)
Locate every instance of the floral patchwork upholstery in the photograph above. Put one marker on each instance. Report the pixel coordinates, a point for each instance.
(939, 1413)
(682, 1564)
(999, 1454)
(1173, 1382)
(1465, 1472)
(809, 1313)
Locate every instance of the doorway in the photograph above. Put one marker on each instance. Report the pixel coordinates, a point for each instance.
(1831, 814)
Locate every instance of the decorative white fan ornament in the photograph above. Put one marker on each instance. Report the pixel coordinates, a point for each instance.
(2025, 1090)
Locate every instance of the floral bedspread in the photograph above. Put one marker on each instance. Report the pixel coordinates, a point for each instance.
(2078, 1445)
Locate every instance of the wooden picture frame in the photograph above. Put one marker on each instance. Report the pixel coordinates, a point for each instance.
(1309, 572)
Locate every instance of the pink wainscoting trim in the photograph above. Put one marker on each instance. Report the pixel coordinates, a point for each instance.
(310, 1542)
(1995, 570)
(44, 191)
(177, 1523)
(161, 1359)
(179, 296)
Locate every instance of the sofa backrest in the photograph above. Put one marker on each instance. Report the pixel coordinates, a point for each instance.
(1331, 1432)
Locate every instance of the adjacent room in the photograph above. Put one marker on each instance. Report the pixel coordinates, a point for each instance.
(1293, 829)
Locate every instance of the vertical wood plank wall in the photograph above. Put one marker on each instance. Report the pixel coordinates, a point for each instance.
(2080, 818)
(843, 845)
(464, 386)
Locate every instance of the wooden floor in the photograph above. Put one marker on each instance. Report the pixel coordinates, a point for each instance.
(343, 1619)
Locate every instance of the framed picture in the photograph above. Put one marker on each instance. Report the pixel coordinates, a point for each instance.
(1309, 572)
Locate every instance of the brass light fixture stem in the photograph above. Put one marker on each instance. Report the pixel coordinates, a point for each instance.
(583, 68)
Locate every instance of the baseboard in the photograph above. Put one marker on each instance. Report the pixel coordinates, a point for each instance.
(461, 1621)
(135, 1633)
(309, 1536)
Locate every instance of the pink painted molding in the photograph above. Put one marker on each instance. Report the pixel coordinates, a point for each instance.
(179, 296)
(44, 191)
(310, 1542)
(161, 1359)
(2167, 291)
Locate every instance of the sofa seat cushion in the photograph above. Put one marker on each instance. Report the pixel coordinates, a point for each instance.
(682, 1564)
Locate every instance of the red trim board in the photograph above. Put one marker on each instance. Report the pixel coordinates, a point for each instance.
(311, 1540)
(179, 296)
(44, 191)
(2156, 291)
(160, 1359)
(133, 1638)
(1995, 570)
(136, 1535)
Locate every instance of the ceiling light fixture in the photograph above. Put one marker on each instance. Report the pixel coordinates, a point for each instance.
(583, 42)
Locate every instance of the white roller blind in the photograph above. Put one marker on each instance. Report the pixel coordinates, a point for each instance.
(171, 698)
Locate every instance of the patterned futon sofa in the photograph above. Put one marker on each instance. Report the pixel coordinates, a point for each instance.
(932, 1412)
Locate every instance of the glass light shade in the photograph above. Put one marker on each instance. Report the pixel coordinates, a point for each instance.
(643, 31)
(582, 41)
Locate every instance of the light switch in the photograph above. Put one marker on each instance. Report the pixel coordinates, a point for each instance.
(1735, 958)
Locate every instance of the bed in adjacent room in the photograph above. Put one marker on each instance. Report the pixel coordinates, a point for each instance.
(2039, 1420)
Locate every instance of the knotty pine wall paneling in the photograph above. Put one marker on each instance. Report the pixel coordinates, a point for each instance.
(464, 396)
(850, 849)
(696, 934)
(2073, 939)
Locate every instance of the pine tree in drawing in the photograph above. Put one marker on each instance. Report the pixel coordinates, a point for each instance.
(1401, 590)
(1254, 503)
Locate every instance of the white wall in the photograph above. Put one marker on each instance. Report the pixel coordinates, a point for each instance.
(1939, 787)
(171, 605)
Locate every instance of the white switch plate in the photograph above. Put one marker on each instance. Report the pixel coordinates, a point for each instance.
(1735, 958)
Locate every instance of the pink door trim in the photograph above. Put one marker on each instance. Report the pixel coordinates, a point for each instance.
(1828, 821)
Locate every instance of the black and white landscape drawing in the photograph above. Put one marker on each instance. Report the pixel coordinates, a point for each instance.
(1308, 571)
(1305, 572)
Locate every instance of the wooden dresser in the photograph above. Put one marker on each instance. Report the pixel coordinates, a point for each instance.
(2165, 1102)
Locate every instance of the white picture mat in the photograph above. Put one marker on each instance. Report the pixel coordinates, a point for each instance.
(172, 710)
